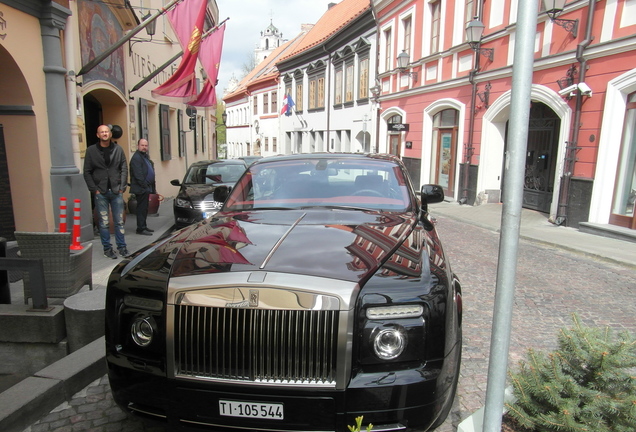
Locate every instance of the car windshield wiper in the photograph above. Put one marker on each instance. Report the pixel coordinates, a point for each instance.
(274, 208)
(337, 207)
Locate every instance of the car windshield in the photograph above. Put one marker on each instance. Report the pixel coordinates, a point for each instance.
(214, 173)
(365, 183)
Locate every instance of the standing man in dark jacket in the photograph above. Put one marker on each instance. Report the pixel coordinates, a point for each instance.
(142, 184)
(106, 174)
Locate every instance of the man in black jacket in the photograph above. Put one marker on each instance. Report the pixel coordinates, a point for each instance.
(142, 184)
(106, 175)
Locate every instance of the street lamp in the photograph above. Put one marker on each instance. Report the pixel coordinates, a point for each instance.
(151, 27)
(474, 33)
(403, 62)
(554, 8)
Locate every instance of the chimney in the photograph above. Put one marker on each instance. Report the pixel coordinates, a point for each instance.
(330, 5)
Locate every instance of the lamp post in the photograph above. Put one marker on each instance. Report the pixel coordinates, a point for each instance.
(403, 62)
(474, 33)
(221, 136)
(553, 9)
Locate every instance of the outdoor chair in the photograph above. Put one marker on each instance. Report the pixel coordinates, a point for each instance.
(65, 271)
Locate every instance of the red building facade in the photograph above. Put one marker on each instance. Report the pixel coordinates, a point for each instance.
(446, 111)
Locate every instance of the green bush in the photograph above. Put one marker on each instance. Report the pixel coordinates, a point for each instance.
(587, 384)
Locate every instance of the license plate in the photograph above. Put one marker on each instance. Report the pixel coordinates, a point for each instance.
(251, 409)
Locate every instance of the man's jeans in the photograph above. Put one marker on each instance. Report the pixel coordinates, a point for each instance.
(116, 203)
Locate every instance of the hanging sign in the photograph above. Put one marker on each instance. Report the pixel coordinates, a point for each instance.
(398, 127)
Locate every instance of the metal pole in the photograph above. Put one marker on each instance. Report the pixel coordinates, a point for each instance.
(5, 289)
(511, 213)
(100, 58)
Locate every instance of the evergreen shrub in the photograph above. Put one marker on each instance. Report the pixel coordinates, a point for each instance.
(588, 384)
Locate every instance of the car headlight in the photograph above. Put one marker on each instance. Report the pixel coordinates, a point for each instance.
(389, 343)
(388, 312)
(142, 330)
(180, 202)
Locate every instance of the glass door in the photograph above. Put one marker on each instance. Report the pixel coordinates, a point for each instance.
(625, 187)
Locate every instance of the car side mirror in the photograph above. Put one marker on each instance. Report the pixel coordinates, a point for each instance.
(221, 193)
(431, 194)
(175, 182)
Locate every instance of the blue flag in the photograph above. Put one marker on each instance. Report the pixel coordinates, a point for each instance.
(288, 104)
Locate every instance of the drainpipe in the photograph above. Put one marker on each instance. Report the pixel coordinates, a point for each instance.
(377, 80)
(328, 95)
(572, 145)
(468, 149)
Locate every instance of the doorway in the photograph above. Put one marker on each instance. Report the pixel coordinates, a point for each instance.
(541, 157)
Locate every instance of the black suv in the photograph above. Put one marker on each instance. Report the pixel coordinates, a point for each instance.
(194, 201)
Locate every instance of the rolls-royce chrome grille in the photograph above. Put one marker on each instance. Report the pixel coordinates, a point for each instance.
(256, 345)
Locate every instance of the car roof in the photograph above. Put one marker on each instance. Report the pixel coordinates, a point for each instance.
(221, 161)
(325, 155)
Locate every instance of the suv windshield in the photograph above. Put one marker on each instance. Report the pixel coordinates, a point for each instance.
(330, 182)
(214, 173)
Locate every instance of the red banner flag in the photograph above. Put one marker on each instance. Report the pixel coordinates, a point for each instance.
(210, 57)
(187, 20)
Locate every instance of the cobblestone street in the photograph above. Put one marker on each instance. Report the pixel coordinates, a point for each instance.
(552, 283)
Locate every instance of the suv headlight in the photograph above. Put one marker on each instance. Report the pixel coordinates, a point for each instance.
(180, 202)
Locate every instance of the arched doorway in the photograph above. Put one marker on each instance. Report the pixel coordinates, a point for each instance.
(541, 157)
(395, 135)
(443, 149)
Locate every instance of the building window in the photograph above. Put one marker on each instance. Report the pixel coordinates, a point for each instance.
(255, 104)
(469, 13)
(388, 61)
(349, 82)
(435, 25)
(265, 103)
(320, 103)
(164, 125)
(274, 101)
(337, 96)
(625, 188)
(312, 93)
(274, 145)
(266, 144)
(363, 80)
(299, 98)
(406, 25)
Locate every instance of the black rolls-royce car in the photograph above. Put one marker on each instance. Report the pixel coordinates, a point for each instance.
(317, 294)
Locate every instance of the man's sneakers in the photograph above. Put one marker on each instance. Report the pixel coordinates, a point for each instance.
(109, 253)
(123, 251)
(145, 231)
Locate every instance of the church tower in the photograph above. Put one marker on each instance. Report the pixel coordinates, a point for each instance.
(271, 38)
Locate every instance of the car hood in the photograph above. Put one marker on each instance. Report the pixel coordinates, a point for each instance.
(345, 245)
(200, 192)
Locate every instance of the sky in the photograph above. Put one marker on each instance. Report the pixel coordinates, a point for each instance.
(247, 18)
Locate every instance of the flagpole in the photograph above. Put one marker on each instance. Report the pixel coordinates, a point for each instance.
(157, 71)
(97, 60)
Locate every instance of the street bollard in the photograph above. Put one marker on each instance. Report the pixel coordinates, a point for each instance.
(75, 244)
(5, 291)
(63, 215)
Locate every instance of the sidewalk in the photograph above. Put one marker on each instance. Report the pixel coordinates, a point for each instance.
(35, 396)
(536, 227)
(161, 222)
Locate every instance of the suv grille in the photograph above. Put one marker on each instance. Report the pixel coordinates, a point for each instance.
(256, 345)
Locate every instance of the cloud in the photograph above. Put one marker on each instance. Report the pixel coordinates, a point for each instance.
(247, 18)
